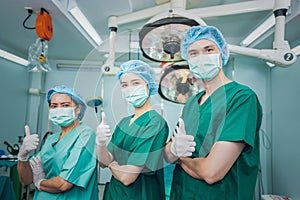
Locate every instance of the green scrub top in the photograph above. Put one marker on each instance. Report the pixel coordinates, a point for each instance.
(231, 113)
(73, 158)
(139, 144)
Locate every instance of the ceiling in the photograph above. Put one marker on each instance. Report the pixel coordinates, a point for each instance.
(69, 44)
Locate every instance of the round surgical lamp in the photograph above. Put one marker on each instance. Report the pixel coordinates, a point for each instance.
(161, 40)
(94, 102)
(177, 84)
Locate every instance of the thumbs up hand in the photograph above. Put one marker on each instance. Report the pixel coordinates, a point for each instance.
(30, 143)
(103, 132)
(182, 145)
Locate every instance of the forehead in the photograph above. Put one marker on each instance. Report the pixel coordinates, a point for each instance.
(128, 77)
(202, 44)
(58, 98)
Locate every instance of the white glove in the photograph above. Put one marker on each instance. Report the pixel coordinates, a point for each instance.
(103, 132)
(30, 143)
(37, 170)
(182, 145)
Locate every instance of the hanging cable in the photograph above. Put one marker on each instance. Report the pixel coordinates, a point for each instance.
(30, 11)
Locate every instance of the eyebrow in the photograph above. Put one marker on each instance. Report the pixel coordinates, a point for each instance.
(209, 46)
(60, 102)
(205, 47)
(131, 80)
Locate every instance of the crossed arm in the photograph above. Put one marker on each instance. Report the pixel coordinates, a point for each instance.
(215, 166)
(126, 174)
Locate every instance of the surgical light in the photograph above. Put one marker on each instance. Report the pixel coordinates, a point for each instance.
(14, 58)
(177, 84)
(160, 40)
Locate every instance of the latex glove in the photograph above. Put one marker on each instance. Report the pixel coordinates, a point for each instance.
(182, 145)
(103, 132)
(37, 170)
(30, 143)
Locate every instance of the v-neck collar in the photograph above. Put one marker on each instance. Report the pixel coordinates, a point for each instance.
(140, 117)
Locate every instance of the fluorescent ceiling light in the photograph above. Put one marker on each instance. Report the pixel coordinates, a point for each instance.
(14, 58)
(79, 16)
(261, 29)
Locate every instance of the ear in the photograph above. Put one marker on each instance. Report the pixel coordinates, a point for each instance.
(148, 90)
(78, 109)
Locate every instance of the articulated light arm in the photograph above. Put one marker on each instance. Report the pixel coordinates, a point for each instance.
(279, 57)
(296, 50)
(281, 54)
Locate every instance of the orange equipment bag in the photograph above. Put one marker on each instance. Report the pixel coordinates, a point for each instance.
(43, 25)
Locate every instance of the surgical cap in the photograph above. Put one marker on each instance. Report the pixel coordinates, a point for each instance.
(211, 33)
(143, 70)
(62, 89)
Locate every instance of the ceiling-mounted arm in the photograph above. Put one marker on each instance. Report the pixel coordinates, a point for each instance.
(175, 8)
(296, 50)
(281, 53)
(108, 68)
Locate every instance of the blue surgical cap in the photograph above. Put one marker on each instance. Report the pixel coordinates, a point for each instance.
(143, 70)
(211, 33)
(62, 89)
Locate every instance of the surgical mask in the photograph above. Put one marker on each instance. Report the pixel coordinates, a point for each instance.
(62, 116)
(135, 95)
(205, 67)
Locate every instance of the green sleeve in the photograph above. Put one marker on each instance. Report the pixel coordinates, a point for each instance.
(81, 163)
(241, 119)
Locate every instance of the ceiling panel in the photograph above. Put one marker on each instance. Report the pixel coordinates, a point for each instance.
(69, 44)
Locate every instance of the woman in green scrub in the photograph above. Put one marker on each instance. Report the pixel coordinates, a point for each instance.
(66, 166)
(134, 154)
(216, 142)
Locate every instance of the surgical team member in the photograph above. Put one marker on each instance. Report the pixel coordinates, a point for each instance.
(216, 141)
(134, 154)
(66, 166)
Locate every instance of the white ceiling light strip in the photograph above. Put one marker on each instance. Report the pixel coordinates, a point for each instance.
(80, 17)
(65, 6)
(13, 58)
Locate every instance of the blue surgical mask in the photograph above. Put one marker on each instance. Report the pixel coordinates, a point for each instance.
(62, 116)
(205, 67)
(135, 95)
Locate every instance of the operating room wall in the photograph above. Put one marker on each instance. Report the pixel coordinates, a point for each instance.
(88, 83)
(286, 130)
(13, 86)
(255, 73)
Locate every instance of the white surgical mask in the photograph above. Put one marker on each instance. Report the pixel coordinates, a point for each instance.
(135, 95)
(205, 67)
(62, 116)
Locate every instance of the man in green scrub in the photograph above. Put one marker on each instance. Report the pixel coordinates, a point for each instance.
(134, 154)
(216, 141)
(66, 166)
